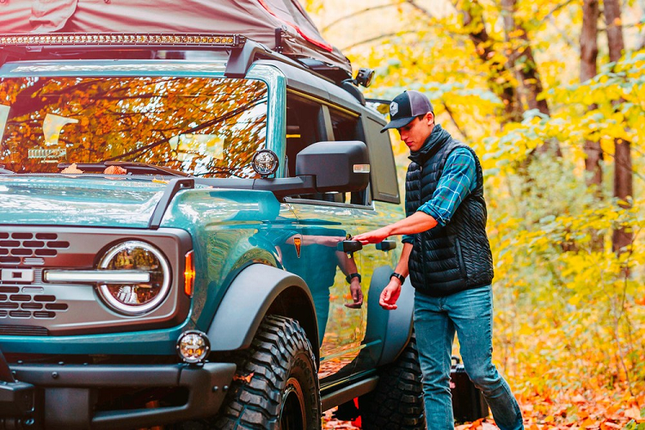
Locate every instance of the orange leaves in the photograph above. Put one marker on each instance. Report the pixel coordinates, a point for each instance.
(246, 379)
(603, 410)
(570, 410)
(634, 413)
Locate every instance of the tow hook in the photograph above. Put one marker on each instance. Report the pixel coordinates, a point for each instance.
(16, 400)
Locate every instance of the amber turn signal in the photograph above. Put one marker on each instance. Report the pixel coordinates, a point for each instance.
(189, 274)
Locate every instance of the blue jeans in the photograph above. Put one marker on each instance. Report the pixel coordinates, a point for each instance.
(470, 314)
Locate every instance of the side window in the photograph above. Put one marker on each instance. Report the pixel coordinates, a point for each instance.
(383, 177)
(347, 126)
(305, 125)
(309, 122)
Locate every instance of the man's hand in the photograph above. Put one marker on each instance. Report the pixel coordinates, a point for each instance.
(357, 294)
(375, 236)
(416, 223)
(390, 295)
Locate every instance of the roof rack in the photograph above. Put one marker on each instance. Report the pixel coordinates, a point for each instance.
(36, 46)
(243, 51)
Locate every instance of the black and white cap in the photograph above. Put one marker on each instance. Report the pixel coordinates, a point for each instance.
(405, 107)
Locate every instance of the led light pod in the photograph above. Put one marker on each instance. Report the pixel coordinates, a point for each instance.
(265, 162)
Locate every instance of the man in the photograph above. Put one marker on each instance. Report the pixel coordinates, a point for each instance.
(447, 255)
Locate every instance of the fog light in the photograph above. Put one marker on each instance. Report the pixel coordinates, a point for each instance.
(193, 346)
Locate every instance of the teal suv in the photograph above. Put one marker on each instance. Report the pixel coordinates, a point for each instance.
(175, 242)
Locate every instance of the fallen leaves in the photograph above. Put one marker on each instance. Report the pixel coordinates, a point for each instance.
(570, 410)
(242, 378)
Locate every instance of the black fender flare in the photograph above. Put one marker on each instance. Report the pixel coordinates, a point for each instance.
(256, 291)
(393, 328)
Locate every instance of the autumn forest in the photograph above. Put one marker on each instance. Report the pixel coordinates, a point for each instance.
(551, 94)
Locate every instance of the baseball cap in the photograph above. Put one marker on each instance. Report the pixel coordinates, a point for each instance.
(405, 107)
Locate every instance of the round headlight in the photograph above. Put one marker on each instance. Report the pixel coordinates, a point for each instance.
(134, 297)
(193, 346)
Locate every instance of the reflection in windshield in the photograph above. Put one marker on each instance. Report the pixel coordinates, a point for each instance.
(207, 127)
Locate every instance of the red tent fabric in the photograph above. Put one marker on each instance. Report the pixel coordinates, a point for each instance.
(256, 20)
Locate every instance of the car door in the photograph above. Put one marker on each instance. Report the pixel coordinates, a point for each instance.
(324, 221)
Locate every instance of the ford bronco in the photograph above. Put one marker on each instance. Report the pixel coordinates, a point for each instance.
(176, 213)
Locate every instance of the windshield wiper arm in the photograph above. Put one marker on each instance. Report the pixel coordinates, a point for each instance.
(4, 171)
(132, 167)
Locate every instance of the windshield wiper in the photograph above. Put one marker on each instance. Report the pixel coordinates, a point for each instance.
(132, 167)
(4, 171)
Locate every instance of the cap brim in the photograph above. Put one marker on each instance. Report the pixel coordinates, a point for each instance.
(398, 123)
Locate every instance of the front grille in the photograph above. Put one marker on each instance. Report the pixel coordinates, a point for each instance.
(23, 330)
(28, 302)
(17, 246)
(71, 308)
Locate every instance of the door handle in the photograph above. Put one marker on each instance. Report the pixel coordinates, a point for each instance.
(349, 246)
(386, 245)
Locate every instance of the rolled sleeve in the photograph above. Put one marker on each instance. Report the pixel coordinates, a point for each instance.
(408, 238)
(459, 179)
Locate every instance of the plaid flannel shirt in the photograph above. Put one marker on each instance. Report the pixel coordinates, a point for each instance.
(459, 179)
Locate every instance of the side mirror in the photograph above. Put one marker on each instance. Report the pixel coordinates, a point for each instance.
(337, 166)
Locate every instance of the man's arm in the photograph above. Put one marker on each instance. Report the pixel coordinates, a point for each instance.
(416, 223)
(392, 291)
(457, 181)
(348, 267)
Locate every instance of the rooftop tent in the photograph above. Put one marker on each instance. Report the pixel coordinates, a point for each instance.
(257, 20)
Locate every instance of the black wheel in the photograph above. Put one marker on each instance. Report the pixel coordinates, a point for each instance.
(276, 385)
(397, 401)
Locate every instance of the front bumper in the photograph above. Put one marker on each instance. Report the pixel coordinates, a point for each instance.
(66, 393)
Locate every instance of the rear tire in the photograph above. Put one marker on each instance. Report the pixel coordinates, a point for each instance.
(276, 384)
(397, 401)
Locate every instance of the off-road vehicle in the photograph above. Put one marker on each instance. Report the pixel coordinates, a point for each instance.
(179, 184)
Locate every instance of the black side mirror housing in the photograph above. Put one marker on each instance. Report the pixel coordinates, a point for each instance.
(337, 166)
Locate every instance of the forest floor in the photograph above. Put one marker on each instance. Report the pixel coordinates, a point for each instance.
(568, 411)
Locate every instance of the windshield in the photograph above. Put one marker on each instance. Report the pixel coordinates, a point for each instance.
(207, 127)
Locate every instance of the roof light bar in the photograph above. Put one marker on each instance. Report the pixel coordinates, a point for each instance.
(123, 39)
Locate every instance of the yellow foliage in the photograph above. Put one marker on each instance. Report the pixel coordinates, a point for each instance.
(570, 312)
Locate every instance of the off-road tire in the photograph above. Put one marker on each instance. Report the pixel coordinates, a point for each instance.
(397, 401)
(276, 384)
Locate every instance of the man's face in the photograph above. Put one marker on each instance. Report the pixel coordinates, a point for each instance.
(416, 133)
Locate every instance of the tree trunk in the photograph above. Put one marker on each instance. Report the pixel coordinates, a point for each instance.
(522, 60)
(473, 19)
(623, 175)
(521, 57)
(623, 190)
(472, 16)
(615, 41)
(588, 69)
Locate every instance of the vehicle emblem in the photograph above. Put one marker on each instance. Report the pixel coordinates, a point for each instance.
(297, 241)
(17, 275)
(394, 108)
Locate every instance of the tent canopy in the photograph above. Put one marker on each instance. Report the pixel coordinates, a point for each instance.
(257, 20)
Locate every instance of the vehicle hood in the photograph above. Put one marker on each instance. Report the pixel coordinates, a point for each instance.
(68, 200)
(99, 201)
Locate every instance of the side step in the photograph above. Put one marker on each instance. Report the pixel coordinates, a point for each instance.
(345, 394)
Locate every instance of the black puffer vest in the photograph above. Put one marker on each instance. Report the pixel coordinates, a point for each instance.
(457, 257)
